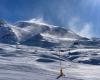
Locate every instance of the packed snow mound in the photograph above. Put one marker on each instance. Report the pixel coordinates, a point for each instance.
(6, 34)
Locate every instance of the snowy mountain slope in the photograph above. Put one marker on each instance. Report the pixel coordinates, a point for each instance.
(35, 28)
(41, 61)
(37, 33)
(49, 34)
(7, 35)
(52, 35)
(36, 63)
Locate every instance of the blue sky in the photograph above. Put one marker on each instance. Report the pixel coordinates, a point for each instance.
(82, 16)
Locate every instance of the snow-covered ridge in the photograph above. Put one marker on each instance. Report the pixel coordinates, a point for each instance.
(34, 27)
(37, 31)
(24, 30)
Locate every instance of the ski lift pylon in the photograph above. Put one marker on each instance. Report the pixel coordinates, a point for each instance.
(61, 73)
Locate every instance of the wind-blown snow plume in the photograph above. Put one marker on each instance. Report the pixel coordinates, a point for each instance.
(38, 20)
(86, 31)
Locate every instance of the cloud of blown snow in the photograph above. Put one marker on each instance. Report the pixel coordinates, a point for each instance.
(82, 28)
(86, 30)
(73, 23)
(38, 20)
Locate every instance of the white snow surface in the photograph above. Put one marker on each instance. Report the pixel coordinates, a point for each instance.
(20, 62)
(35, 63)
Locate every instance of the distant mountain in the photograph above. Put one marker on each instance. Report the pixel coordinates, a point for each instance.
(35, 28)
(48, 34)
(44, 35)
